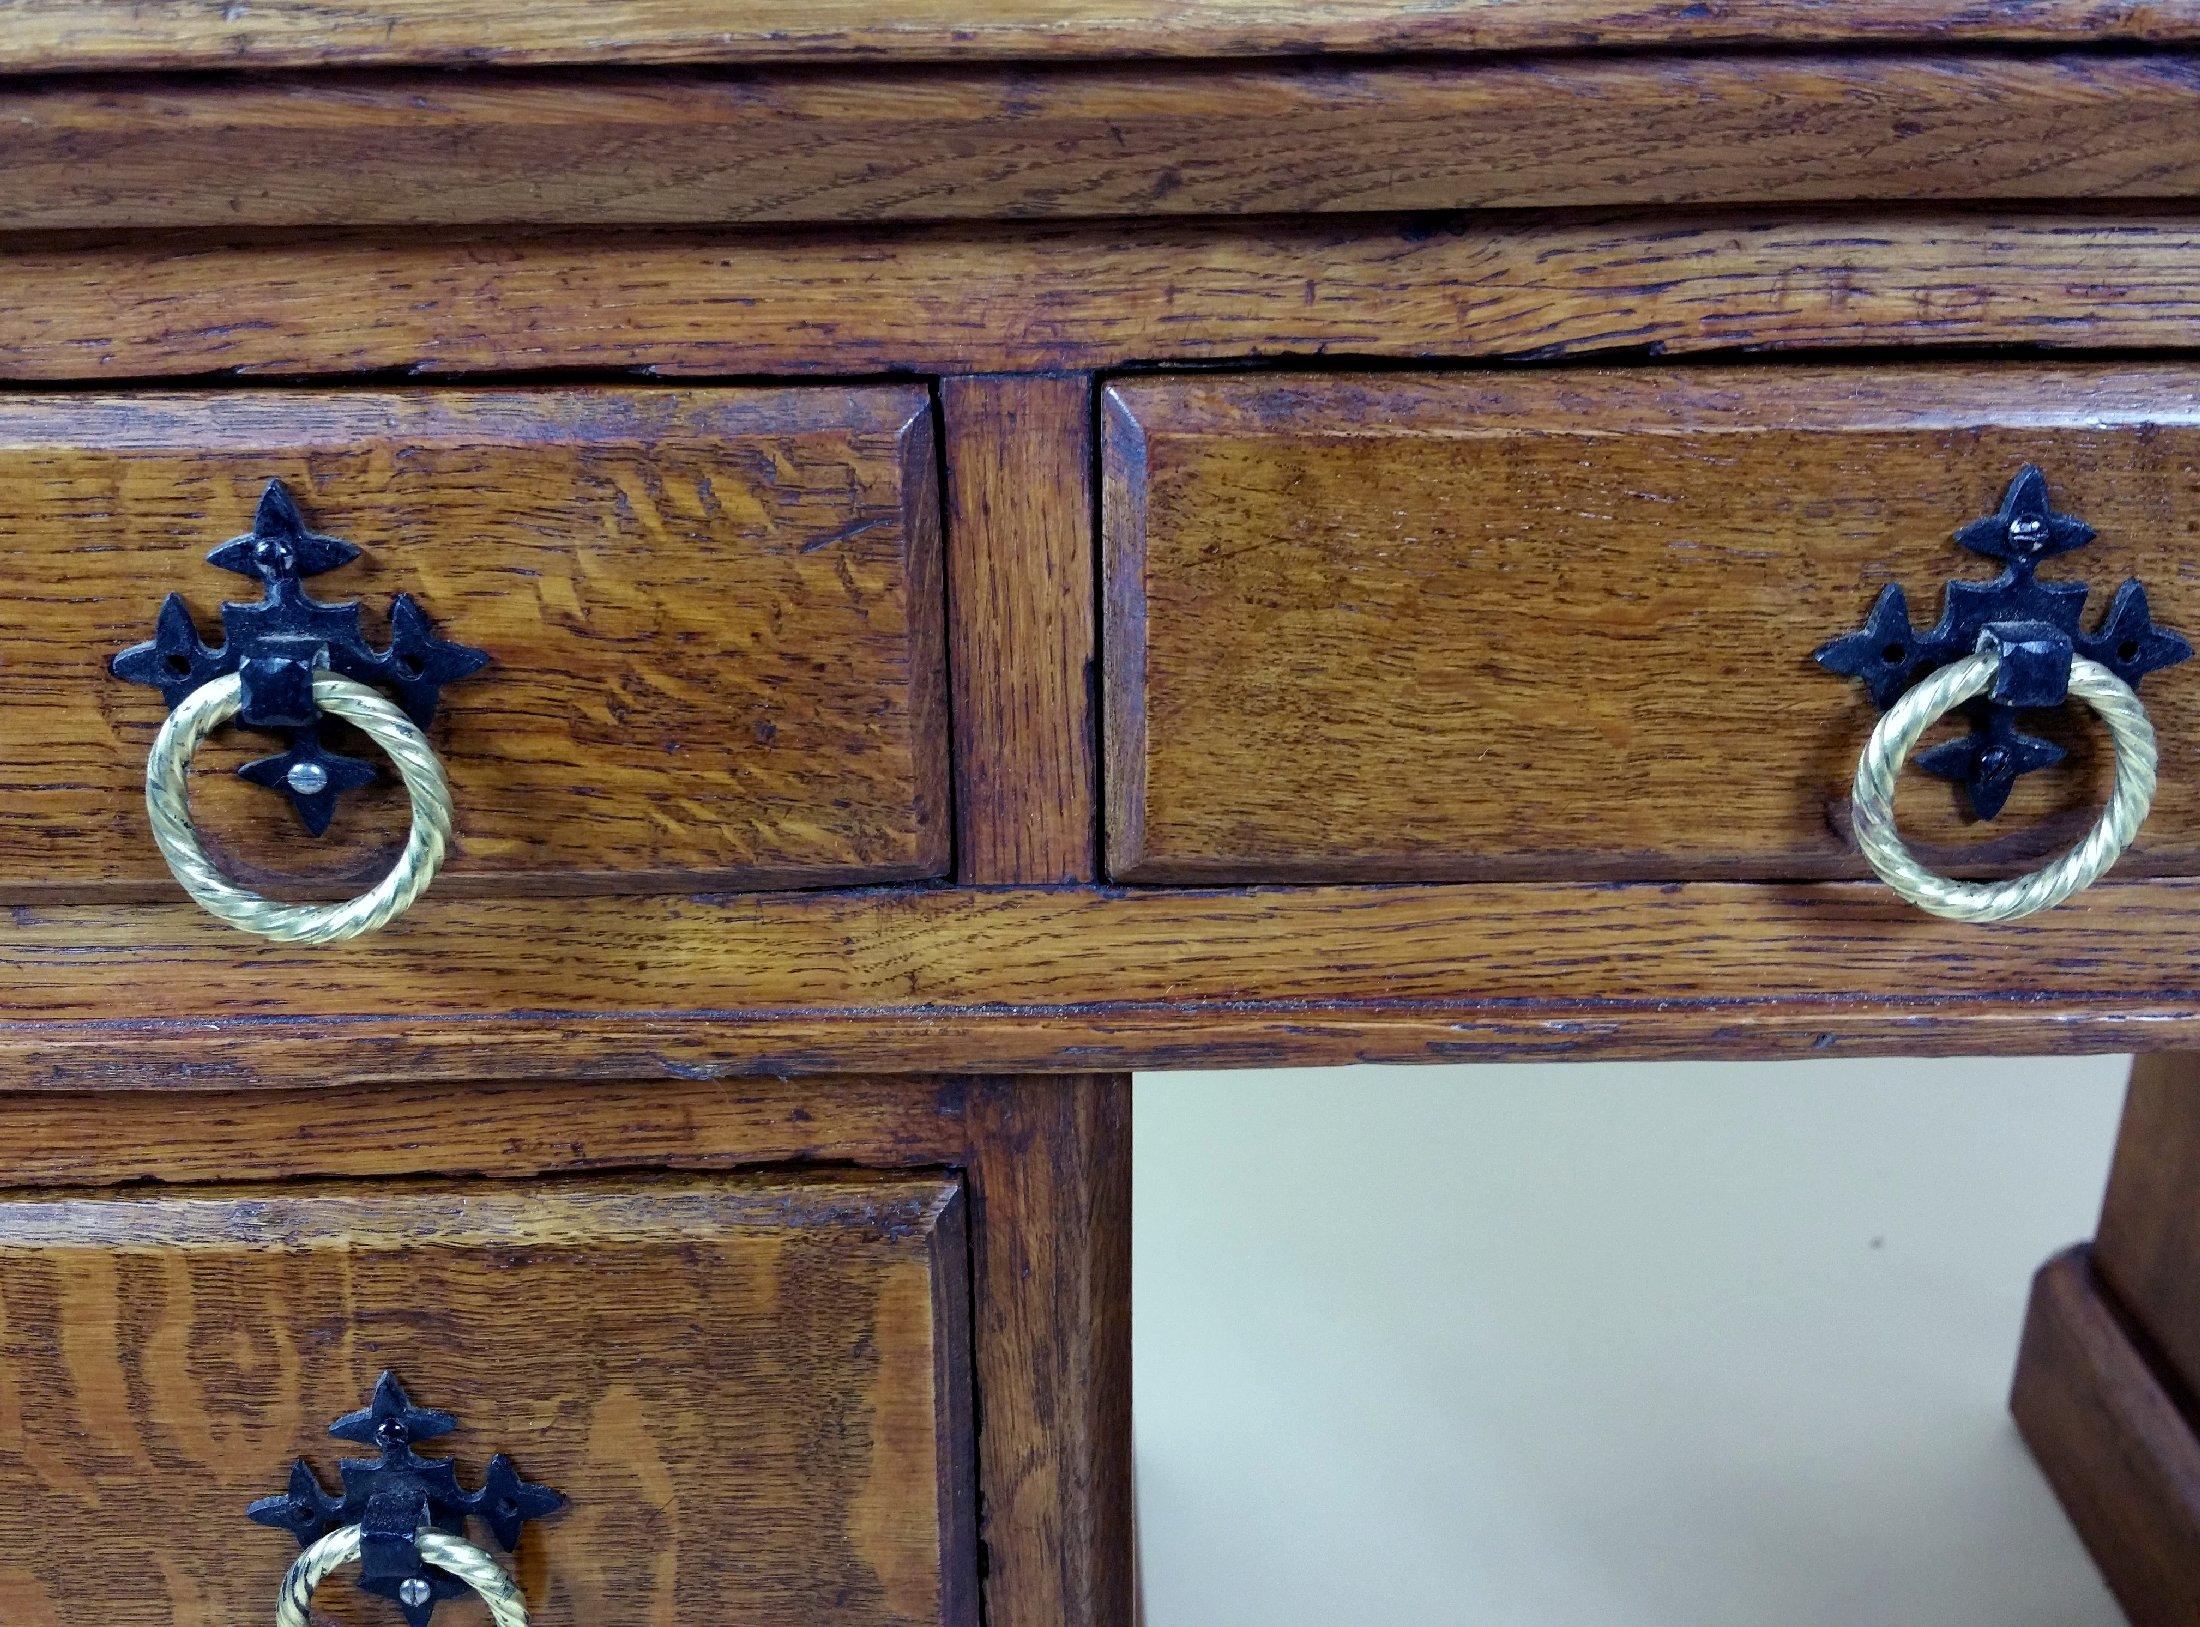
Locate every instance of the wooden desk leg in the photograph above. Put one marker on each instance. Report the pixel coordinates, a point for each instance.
(1050, 1195)
(2107, 1372)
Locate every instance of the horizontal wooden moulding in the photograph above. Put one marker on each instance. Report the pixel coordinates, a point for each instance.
(44, 36)
(1030, 298)
(1007, 979)
(942, 144)
(533, 1127)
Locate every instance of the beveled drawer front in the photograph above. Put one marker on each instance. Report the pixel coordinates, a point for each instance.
(712, 617)
(753, 1393)
(1561, 623)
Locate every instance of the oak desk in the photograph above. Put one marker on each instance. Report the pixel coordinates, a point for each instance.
(915, 558)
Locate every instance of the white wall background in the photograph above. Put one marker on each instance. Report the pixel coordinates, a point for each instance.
(1604, 1346)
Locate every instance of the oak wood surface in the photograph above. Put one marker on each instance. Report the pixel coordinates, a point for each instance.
(1021, 589)
(951, 143)
(1045, 1163)
(750, 1389)
(1560, 624)
(979, 298)
(536, 1127)
(1051, 1180)
(714, 619)
(1007, 979)
(65, 35)
(2114, 1443)
(2148, 1249)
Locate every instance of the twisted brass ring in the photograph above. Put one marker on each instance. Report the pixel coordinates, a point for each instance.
(471, 1565)
(167, 802)
(1906, 722)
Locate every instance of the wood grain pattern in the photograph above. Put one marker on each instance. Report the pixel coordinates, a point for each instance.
(1020, 574)
(2120, 1454)
(74, 35)
(1006, 979)
(1045, 1163)
(948, 143)
(1560, 624)
(977, 298)
(1051, 1173)
(747, 1388)
(540, 1127)
(714, 618)
(2148, 1250)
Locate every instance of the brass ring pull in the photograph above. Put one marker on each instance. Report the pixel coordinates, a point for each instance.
(2014, 644)
(454, 1555)
(1908, 719)
(167, 801)
(286, 660)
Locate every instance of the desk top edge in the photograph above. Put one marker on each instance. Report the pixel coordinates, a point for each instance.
(122, 36)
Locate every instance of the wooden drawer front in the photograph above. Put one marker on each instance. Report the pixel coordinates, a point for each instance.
(714, 617)
(1560, 624)
(753, 1392)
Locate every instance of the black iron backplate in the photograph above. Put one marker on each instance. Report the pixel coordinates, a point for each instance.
(2032, 624)
(400, 1493)
(277, 643)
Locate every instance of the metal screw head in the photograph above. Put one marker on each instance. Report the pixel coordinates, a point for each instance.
(412, 1593)
(307, 779)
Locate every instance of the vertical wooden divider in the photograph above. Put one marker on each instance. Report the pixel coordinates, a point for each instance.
(1049, 1164)
(1020, 609)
